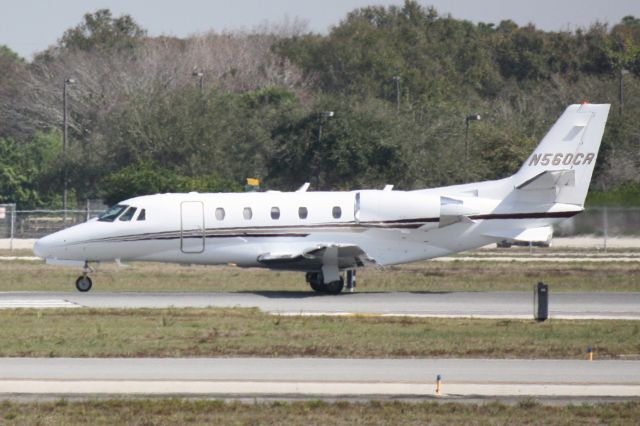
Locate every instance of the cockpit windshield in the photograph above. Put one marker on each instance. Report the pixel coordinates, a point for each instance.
(111, 214)
(126, 216)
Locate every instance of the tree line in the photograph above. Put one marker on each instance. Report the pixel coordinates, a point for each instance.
(154, 114)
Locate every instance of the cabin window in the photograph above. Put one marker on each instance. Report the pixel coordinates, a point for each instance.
(142, 215)
(111, 214)
(275, 213)
(220, 213)
(303, 212)
(337, 212)
(128, 215)
(247, 213)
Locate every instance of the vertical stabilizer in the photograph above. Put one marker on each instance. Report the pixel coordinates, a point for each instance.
(567, 154)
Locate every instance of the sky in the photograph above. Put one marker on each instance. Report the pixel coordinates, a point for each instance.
(30, 26)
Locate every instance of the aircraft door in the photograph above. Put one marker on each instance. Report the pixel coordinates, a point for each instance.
(192, 227)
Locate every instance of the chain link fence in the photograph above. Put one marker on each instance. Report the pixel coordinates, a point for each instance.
(31, 224)
(603, 222)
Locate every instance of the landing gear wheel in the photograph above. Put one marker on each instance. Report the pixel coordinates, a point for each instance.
(316, 282)
(83, 283)
(334, 287)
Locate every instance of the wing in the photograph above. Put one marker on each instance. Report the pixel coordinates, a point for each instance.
(344, 256)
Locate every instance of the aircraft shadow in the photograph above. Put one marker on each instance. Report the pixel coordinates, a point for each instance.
(272, 294)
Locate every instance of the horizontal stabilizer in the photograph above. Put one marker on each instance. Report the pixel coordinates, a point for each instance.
(549, 179)
(541, 234)
(454, 211)
(447, 220)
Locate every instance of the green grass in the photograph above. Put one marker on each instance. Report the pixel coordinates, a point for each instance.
(249, 332)
(180, 412)
(422, 276)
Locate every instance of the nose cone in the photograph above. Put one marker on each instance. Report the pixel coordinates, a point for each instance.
(43, 247)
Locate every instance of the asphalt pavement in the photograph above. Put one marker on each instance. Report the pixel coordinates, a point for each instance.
(264, 377)
(574, 305)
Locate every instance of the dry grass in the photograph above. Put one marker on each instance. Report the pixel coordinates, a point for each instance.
(423, 276)
(249, 332)
(179, 412)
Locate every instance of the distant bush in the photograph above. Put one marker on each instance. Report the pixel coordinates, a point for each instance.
(146, 178)
(627, 195)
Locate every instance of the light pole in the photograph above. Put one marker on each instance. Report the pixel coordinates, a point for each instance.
(322, 117)
(200, 76)
(67, 82)
(472, 117)
(397, 79)
(622, 73)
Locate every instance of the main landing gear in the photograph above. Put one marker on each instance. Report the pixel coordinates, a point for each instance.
(84, 283)
(316, 282)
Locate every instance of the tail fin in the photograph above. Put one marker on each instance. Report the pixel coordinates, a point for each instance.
(565, 158)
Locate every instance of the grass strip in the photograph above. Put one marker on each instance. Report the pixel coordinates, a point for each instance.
(421, 276)
(250, 332)
(176, 411)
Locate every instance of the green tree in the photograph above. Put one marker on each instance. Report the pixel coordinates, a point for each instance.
(100, 31)
(148, 178)
(25, 169)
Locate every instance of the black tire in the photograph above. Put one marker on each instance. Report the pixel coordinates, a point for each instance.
(83, 284)
(318, 288)
(334, 287)
(315, 280)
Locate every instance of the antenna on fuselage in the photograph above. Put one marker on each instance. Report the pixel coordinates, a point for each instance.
(303, 188)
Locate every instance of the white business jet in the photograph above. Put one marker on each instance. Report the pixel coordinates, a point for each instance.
(329, 235)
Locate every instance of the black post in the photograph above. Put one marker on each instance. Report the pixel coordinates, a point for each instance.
(466, 143)
(397, 80)
(317, 152)
(473, 117)
(64, 148)
(621, 89)
(67, 81)
(541, 302)
(200, 76)
(324, 115)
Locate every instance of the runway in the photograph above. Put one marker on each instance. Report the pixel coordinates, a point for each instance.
(317, 377)
(575, 305)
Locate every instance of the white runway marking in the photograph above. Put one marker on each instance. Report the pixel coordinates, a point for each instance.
(534, 258)
(37, 303)
(253, 377)
(469, 316)
(12, 258)
(320, 389)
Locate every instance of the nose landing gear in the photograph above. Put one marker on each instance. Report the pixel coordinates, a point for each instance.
(84, 283)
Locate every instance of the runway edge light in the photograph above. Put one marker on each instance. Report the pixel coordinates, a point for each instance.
(438, 385)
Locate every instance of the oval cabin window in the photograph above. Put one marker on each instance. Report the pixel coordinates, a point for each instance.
(247, 213)
(337, 212)
(220, 213)
(303, 212)
(275, 213)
